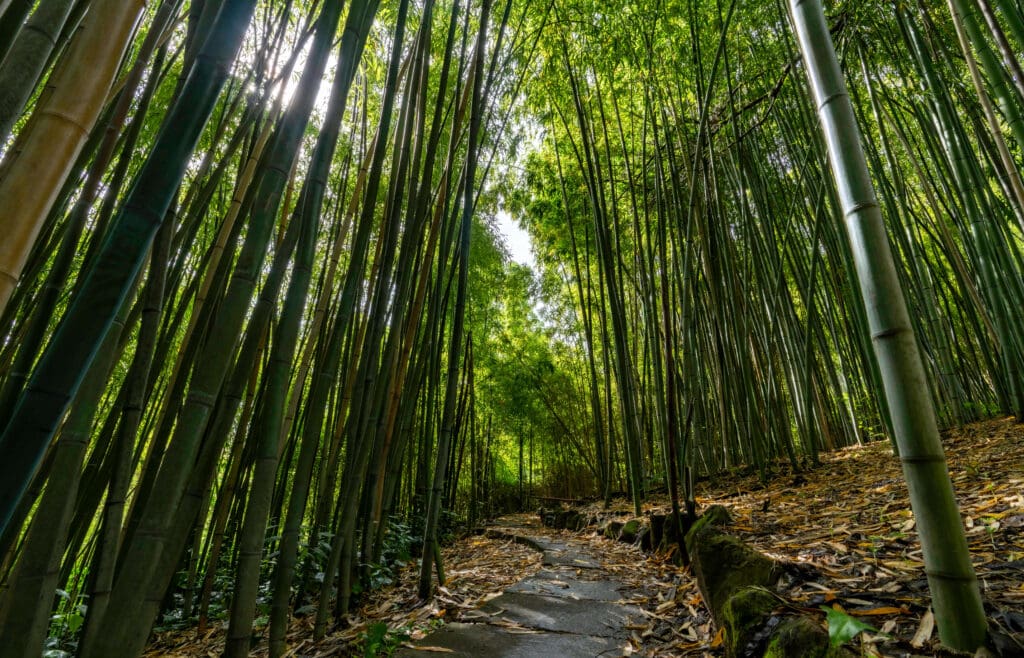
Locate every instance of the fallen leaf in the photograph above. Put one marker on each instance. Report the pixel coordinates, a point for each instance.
(885, 610)
(924, 631)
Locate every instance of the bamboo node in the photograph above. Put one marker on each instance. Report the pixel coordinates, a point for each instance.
(945, 575)
(859, 206)
(889, 333)
(831, 97)
(66, 118)
(922, 459)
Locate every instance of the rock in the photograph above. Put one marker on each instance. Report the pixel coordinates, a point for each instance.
(799, 636)
(548, 517)
(612, 529)
(657, 529)
(646, 545)
(716, 515)
(669, 537)
(745, 617)
(736, 583)
(561, 518)
(723, 565)
(630, 531)
(573, 520)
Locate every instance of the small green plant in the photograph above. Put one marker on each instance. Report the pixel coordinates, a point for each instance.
(877, 542)
(65, 626)
(991, 526)
(379, 640)
(842, 627)
(396, 553)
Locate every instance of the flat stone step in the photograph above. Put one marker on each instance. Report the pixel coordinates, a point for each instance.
(566, 609)
(562, 582)
(564, 556)
(487, 640)
(563, 615)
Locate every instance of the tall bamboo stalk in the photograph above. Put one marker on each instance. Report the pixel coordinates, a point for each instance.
(955, 595)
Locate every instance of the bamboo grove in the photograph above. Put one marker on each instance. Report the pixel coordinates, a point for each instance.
(261, 341)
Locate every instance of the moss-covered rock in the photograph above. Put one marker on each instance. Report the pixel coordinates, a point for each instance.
(612, 529)
(548, 517)
(723, 565)
(630, 531)
(736, 583)
(670, 536)
(800, 636)
(716, 515)
(753, 629)
(745, 617)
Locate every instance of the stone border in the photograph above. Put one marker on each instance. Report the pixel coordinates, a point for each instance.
(737, 583)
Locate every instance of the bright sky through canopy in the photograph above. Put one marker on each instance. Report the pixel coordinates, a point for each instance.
(517, 241)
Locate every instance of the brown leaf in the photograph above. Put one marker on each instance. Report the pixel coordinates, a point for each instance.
(924, 631)
(886, 610)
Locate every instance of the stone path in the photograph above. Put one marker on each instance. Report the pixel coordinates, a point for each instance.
(569, 608)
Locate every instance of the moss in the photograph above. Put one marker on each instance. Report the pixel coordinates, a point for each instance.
(715, 515)
(744, 616)
(723, 565)
(630, 531)
(799, 636)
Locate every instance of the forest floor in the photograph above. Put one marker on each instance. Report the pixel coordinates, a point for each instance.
(847, 521)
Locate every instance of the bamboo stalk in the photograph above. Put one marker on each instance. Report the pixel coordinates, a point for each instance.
(955, 595)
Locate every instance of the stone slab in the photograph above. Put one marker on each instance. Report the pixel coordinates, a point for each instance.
(561, 583)
(565, 615)
(488, 640)
(569, 559)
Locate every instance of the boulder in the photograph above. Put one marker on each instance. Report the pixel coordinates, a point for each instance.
(630, 531)
(737, 585)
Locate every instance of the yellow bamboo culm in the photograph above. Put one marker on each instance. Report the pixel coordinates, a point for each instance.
(79, 88)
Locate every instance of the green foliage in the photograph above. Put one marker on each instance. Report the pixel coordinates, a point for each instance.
(313, 555)
(65, 625)
(397, 543)
(842, 627)
(374, 639)
(379, 640)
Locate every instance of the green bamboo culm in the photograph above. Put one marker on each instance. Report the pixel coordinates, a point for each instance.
(956, 599)
(62, 366)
